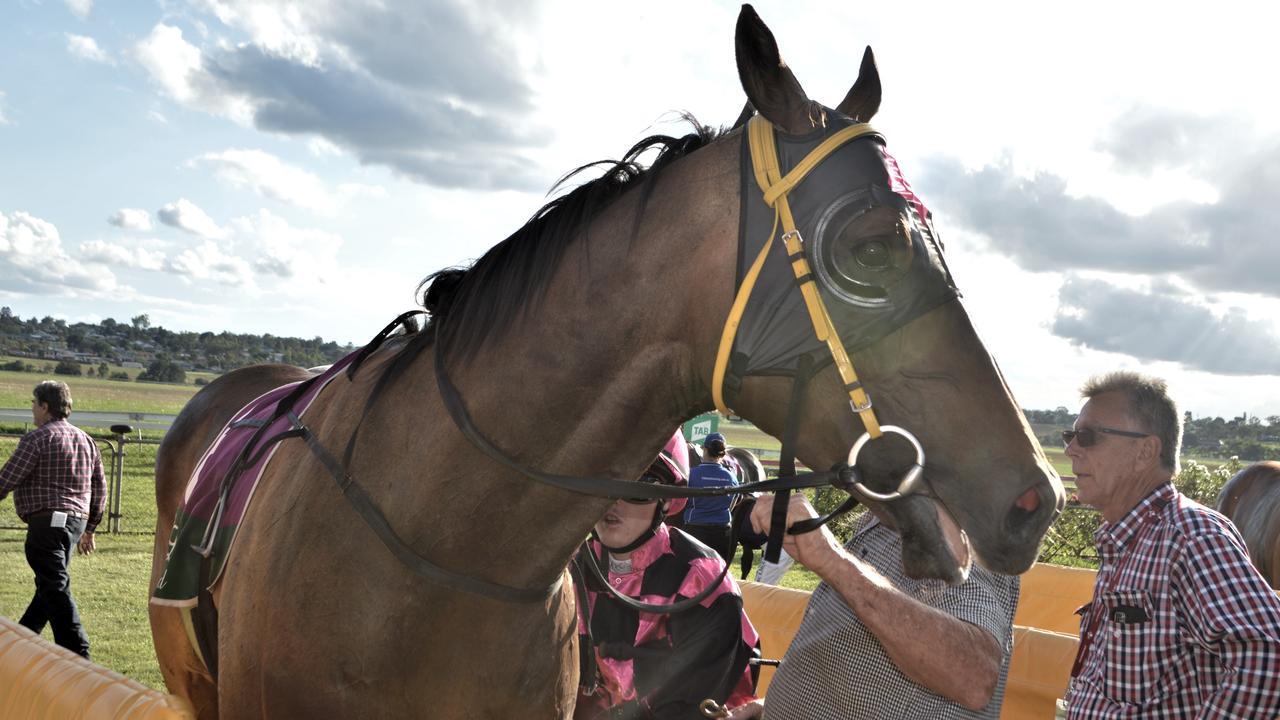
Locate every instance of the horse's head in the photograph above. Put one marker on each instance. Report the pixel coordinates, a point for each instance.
(879, 272)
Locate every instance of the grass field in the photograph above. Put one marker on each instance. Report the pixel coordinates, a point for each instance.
(94, 394)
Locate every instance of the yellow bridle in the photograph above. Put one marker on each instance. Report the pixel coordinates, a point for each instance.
(775, 186)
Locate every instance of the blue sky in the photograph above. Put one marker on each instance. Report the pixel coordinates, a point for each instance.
(1106, 178)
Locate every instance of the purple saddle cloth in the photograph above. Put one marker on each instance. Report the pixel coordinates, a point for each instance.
(222, 486)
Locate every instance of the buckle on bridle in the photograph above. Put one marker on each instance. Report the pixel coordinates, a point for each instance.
(911, 481)
(863, 408)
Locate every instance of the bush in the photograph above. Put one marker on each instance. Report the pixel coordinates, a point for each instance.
(68, 367)
(18, 366)
(201, 381)
(119, 375)
(162, 369)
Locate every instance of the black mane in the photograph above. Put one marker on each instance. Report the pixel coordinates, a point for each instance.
(470, 306)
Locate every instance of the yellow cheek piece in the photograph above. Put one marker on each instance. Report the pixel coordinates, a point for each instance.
(775, 186)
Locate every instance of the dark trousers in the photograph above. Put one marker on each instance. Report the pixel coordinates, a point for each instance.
(716, 537)
(49, 551)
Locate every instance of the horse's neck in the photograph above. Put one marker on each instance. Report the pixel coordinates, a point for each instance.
(616, 356)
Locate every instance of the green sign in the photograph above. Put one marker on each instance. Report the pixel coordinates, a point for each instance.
(697, 429)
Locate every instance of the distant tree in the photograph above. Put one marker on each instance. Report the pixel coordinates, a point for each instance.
(90, 372)
(163, 369)
(119, 375)
(68, 367)
(103, 369)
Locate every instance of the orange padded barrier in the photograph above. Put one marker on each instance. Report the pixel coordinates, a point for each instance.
(41, 681)
(776, 613)
(1050, 596)
(1038, 673)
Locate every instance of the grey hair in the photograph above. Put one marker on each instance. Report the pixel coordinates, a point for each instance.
(56, 395)
(1149, 406)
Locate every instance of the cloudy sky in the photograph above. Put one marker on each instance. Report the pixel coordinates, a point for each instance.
(1106, 176)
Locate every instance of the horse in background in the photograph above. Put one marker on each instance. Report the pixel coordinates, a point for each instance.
(1251, 499)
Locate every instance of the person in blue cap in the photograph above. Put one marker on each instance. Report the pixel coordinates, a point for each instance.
(708, 518)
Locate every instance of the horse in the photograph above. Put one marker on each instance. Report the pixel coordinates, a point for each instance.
(1251, 500)
(575, 345)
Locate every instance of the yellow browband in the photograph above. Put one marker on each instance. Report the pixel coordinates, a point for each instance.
(764, 159)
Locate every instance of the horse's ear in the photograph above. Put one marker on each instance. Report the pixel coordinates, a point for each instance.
(744, 116)
(768, 82)
(863, 99)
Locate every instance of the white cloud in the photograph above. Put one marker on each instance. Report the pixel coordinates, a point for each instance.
(178, 67)
(280, 30)
(210, 262)
(80, 8)
(435, 92)
(321, 147)
(86, 48)
(288, 252)
(32, 260)
(186, 215)
(131, 219)
(3, 120)
(269, 176)
(118, 255)
(157, 116)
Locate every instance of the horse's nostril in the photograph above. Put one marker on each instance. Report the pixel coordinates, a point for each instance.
(1029, 500)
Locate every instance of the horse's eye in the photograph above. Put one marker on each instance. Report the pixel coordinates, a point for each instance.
(873, 255)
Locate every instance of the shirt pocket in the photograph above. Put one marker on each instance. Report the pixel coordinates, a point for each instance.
(1140, 635)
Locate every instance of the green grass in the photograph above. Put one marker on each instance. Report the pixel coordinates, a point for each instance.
(744, 434)
(1058, 457)
(110, 588)
(98, 395)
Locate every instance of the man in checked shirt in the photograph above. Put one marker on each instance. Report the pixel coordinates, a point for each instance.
(1181, 624)
(55, 475)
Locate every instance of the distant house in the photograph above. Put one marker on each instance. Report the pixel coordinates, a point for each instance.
(131, 365)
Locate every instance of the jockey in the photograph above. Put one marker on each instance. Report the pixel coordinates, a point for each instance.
(652, 665)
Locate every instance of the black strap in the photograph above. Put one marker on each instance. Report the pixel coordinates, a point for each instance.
(787, 459)
(661, 608)
(204, 619)
(804, 526)
(373, 517)
(588, 669)
(604, 487)
(378, 339)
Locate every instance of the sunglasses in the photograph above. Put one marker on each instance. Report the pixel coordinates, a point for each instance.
(1088, 436)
